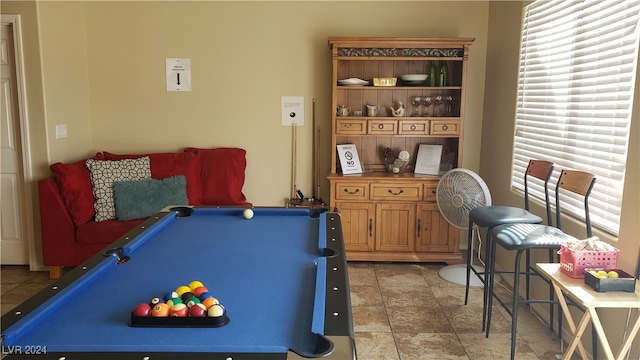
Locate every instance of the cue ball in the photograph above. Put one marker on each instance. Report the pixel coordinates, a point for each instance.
(248, 214)
(215, 310)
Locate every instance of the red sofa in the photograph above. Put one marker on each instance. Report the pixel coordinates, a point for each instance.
(70, 234)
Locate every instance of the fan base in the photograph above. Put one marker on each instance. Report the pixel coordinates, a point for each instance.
(457, 274)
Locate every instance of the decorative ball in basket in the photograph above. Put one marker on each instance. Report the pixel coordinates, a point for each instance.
(395, 164)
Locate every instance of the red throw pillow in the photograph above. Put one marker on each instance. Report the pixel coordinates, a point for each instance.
(222, 175)
(74, 183)
(164, 165)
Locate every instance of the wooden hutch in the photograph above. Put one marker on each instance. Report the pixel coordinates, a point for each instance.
(394, 216)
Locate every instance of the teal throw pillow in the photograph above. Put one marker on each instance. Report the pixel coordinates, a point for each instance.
(143, 198)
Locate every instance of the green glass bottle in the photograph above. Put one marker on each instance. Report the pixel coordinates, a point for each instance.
(433, 73)
(443, 78)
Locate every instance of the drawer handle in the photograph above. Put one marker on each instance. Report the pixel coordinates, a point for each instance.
(413, 127)
(419, 227)
(380, 126)
(370, 227)
(352, 192)
(398, 193)
(445, 127)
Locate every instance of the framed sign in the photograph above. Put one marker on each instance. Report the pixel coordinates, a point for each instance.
(428, 160)
(349, 160)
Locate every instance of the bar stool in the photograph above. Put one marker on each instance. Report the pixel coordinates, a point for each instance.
(524, 237)
(491, 216)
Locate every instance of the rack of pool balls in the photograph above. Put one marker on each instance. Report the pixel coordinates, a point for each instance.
(188, 305)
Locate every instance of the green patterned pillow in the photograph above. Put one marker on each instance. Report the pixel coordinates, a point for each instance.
(105, 172)
(143, 198)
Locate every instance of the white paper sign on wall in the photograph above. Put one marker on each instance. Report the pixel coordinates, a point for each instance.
(178, 74)
(293, 110)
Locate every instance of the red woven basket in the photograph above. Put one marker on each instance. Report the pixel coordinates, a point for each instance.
(574, 262)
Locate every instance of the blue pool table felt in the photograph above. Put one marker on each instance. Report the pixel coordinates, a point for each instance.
(262, 270)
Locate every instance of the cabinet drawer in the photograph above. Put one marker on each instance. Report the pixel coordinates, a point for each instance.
(430, 191)
(350, 127)
(352, 191)
(383, 127)
(403, 192)
(445, 127)
(418, 127)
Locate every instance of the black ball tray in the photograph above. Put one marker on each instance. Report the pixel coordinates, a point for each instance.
(173, 321)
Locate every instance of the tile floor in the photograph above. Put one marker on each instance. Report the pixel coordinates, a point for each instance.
(407, 312)
(400, 312)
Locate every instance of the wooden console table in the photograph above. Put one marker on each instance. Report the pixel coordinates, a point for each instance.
(591, 300)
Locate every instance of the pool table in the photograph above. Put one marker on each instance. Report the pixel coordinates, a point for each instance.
(281, 277)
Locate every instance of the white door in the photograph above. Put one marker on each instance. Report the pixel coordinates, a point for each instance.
(13, 244)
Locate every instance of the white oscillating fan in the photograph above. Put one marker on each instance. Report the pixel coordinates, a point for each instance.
(460, 191)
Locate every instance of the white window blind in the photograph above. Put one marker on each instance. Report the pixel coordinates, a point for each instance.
(578, 62)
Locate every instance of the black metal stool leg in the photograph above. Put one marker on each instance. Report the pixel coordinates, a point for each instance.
(469, 256)
(514, 306)
(487, 270)
(490, 279)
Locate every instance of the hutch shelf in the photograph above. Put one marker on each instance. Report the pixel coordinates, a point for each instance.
(390, 216)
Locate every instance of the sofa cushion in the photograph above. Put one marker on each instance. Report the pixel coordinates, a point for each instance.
(164, 165)
(105, 172)
(223, 171)
(74, 183)
(143, 198)
(104, 232)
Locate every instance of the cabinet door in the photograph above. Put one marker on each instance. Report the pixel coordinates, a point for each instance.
(434, 233)
(395, 226)
(357, 225)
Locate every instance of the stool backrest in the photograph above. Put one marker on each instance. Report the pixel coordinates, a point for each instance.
(578, 182)
(542, 170)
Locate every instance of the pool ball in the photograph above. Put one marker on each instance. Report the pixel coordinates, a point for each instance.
(142, 310)
(194, 300)
(195, 284)
(182, 289)
(155, 301)
(248, 214)
(175, 301)
(160, 310)
(215, 310)
(205, 295)
(170, 295)
(186, 296)
(199, 290)
(210, 301)
(179, 310)
(198, 310)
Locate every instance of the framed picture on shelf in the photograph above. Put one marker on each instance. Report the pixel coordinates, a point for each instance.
(349, 160)
(428, 159)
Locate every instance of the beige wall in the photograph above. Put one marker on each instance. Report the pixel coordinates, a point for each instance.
(497, 143)
(103, 65)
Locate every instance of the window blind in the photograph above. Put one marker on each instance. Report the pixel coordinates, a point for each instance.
(578, 62)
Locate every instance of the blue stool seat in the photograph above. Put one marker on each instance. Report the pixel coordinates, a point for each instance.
(527, 236)
(490, 216)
